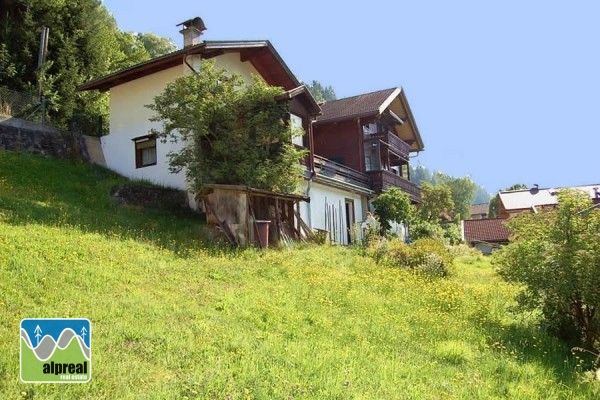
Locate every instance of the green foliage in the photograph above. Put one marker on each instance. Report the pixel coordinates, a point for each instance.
(436, 200)
(429, 257)
(555, 255)
(463, 193)
(232, 132)
(320, 92)
(482, 196)
(493, 207)
(155, 45)
(393, 205)
(84, 43)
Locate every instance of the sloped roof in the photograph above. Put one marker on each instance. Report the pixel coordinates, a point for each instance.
(372, 104)
(477, 209)
(485, 230)
(260, 53)
(528, 198)
(356, 106)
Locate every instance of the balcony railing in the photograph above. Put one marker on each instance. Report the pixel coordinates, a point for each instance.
(333, 170)
(395, 144)
(381, 180)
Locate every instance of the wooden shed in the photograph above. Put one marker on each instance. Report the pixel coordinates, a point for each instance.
(245, 215)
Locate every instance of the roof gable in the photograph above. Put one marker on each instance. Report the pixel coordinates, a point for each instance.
(392, 101)
(261, 54)
(356, 106)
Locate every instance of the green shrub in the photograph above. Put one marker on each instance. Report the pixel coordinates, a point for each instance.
(432, 255)
(425, 256)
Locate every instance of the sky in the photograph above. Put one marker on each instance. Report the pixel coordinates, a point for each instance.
(504, 92)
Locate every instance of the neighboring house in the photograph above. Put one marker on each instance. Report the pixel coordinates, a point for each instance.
(514, 202)
(362, 146)
(338, 194)
(485, 234)
(479, 211)
(373, 135)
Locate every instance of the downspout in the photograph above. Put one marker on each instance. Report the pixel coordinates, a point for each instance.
(311, 167)
(185, 61)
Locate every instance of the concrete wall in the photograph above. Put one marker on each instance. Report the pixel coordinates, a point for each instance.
(322, 197)
(28, 137)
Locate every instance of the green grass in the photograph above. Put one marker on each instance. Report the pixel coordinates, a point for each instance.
(174, 319)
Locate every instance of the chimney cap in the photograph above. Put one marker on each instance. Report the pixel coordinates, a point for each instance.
(196, 23)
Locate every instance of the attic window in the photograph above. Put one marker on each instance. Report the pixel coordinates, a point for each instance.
(145, 151)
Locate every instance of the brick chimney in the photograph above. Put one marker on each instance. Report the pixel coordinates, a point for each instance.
(191, 31)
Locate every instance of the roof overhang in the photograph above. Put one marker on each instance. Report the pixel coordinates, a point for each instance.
(209, 188)
(261, 54)
(305, 96)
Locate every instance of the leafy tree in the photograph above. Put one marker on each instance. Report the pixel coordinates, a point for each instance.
(481, 196)
(82, 45)
(393, 205)
(420, 174)
(463, 192)
(435, 201)
(155, 45)
(555, 256)
(232, 132)
(320, 92)
(493, 207)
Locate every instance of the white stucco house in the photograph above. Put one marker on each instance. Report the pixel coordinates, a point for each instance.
(337, 202)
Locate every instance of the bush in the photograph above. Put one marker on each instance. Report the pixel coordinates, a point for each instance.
(555, 257)
(432, 255)
(425, 256)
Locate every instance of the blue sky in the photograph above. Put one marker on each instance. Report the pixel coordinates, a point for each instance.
(505, 92)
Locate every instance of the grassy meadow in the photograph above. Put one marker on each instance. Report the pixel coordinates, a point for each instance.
(175, 318)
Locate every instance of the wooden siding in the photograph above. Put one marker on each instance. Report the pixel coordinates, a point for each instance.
(340, 142)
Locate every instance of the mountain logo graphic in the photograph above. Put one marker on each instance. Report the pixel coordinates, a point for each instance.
(56, 350)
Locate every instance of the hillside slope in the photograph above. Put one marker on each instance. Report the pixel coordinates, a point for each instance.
(173, 318)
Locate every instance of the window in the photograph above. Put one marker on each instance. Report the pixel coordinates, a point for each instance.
(145, 151)
(296, 124)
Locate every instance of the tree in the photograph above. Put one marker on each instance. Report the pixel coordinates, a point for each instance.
(481, 196)
(84, 43)
(321, 93)
(435, 201)
(463, 193)
(231, 132)
(420, 174)
(393, 205)
(555, 257)
(493, 207)
(155, 45)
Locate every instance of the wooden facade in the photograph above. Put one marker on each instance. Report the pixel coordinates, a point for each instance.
(237, 212)
(378, 154)
(373, 134)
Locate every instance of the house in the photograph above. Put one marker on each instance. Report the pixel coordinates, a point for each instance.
(479, 211)
(514, 202)
(372, 135)
(485, 234)
(132, 151)
(338, 193)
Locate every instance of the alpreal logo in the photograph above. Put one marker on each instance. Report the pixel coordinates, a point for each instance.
(56, 350)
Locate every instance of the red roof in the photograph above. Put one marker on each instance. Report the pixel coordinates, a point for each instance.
(485, 230)
(355, 106)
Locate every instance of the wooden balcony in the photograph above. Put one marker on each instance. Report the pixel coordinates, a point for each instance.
(333, 170)
(381, 180)
(393, 142)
